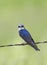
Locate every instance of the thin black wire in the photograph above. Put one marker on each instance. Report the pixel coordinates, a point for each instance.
(22, 44)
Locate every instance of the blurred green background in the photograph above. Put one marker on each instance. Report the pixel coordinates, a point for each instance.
(31, 13)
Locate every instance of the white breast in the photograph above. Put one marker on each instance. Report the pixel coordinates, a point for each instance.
(20, 29)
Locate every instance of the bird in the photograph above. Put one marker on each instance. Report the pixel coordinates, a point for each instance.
(26, 36)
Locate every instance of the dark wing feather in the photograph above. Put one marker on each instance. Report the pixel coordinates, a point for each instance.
(26, 36)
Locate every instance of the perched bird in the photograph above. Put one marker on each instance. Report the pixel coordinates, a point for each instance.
(27, 37)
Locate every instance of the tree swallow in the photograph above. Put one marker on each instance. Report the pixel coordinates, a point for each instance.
(27, 37)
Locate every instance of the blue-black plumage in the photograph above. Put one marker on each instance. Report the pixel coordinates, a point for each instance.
(27, 37)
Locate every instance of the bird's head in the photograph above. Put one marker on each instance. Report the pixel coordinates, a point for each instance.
(20, 27)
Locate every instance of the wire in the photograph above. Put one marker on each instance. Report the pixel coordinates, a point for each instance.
(22, 44)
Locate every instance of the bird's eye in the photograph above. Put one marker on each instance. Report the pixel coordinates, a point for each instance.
(22, 26)
(18, 26)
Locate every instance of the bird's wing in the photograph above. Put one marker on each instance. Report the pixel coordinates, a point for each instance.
(26, 36)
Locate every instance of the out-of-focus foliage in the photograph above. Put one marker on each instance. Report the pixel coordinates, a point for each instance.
(31, 13)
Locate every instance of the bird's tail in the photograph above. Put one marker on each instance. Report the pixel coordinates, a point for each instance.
(35, 47)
